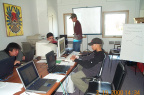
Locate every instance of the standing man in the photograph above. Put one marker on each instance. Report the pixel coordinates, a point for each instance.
(77, 33)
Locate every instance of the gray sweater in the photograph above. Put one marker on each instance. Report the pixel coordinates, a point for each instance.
(4, 55)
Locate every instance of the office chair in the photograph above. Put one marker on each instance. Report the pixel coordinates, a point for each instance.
(98, 76)
(103, 88)
(26, 46)
(115, 51)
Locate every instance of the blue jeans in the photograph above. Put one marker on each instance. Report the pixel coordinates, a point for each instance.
(76, 46)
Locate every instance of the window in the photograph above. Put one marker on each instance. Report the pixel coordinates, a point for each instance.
(113, 23)
(68, 25)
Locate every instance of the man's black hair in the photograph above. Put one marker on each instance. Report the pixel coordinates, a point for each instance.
(12, 46)
(49, 34)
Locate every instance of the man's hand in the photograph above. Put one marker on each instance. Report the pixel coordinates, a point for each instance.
(16, 62)
(23, 58)
(73, 58)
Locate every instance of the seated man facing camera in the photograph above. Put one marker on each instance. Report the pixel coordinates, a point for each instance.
(50, 38)
(89, 64)
(12, 49)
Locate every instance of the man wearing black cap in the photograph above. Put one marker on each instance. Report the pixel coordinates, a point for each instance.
(89, 64)
(77, 33)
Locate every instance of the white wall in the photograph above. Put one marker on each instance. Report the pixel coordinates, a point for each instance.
(65, 6)
(53, 17)
(142, 4)
(42, 14)
(36, 13)
(141, 8)
(29, 18)
(47, 16)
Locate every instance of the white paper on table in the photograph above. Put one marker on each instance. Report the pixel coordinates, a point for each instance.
(9, 88)
(54, 76)
(29, 93)
(67, 63)
(42, 61)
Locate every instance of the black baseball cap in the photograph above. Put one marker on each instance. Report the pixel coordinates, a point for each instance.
(73, 16)
(95, 41)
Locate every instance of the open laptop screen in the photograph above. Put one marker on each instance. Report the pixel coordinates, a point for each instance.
(6, 67)
(28, 73)
(51, 61)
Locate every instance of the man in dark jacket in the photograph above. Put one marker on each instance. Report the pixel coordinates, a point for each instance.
(89, 64)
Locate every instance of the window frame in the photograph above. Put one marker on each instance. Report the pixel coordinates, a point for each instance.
(113, 12)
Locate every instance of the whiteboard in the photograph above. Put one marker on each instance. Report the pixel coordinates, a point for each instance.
(132, 47)
(90, 19)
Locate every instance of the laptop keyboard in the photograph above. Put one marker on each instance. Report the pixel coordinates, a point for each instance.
(37, 84)
(70, 55)
(60, 69)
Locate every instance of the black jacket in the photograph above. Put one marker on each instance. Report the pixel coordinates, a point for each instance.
(90, 60)
(91, 63)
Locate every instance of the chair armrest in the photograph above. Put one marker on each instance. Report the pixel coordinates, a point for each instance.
(92, 78)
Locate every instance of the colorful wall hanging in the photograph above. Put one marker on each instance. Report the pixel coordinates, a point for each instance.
(13, 20)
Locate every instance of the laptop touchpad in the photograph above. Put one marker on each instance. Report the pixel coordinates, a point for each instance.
(47, 84)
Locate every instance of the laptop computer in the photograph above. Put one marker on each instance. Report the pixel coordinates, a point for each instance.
(31, 80)
(52, 67)
(6, 67)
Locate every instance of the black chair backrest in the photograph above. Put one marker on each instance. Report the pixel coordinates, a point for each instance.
(102, 65)
(29, 55)
(99, 69)
(26, 46)
(95, 72)
(119, 76)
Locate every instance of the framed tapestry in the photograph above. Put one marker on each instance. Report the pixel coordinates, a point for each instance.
(13, 20)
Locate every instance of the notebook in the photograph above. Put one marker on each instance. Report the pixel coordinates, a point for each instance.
(52, 67)
(31, 80)
(6, 67)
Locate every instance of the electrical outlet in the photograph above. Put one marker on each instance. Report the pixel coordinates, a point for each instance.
(111, 42)
(117, 42)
